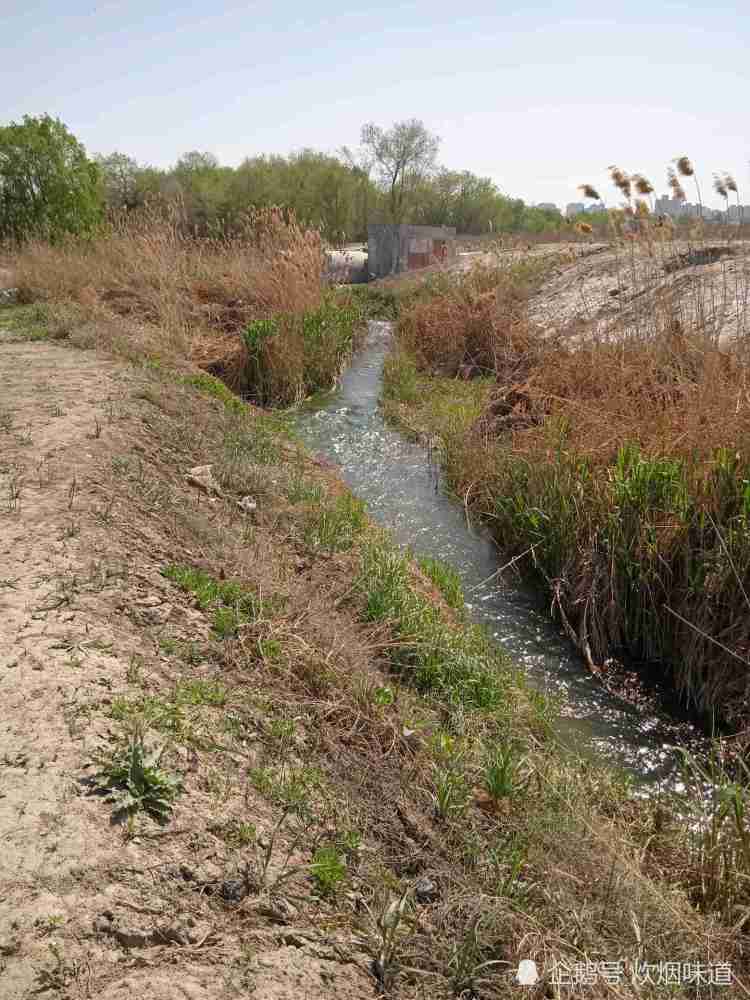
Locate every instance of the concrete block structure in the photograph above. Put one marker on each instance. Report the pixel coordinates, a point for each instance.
(393, 249)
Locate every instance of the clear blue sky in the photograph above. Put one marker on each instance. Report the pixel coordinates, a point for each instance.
(540, 99)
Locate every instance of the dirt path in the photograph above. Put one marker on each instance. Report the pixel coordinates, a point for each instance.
(85, 909)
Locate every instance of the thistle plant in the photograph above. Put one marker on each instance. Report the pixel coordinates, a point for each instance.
(136, 782)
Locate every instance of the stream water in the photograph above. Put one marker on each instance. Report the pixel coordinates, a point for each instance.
(402, 489)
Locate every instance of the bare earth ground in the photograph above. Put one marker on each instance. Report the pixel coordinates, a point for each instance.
(86, 910)
(610, 290)
(600, 289)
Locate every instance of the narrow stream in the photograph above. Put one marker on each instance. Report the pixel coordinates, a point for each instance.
(403, 493)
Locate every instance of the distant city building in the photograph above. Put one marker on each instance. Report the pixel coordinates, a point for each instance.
(574, 208)
(739, 213)
(684, 209)
(670, 206)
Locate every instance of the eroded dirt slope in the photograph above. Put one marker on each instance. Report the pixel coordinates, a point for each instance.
(89, 907)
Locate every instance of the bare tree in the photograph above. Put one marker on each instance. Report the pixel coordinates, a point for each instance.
(403, 154)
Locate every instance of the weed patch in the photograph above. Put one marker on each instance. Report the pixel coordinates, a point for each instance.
(137, 782)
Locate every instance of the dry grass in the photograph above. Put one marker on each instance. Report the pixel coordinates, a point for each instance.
(249, 308)
(197, 293)
(621, 463)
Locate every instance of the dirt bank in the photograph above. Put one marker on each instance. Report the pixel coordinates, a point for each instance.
(94, 505)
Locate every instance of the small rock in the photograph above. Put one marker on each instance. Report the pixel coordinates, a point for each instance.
(233, 890)
(425, 890)
(132, 938)
(103, 923)
(248, 504)
(202, 477)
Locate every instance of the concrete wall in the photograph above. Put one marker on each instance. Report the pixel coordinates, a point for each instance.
(395, 249)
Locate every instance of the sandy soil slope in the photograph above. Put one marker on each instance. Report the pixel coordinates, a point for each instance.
(85, 909)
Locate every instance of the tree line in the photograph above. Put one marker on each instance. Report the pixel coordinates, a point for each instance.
(50, 186)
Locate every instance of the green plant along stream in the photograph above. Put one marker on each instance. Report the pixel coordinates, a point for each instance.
(403, 492)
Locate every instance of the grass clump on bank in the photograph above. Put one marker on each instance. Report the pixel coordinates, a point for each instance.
(619, 468)
(289, 357)
(458, 664)
(446, 579)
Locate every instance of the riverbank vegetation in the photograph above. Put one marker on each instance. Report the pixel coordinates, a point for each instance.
(617, 465)
(251, 307)
(393, 802)
(343, 763)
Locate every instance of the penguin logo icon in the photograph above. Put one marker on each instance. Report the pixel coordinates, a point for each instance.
(527, 974)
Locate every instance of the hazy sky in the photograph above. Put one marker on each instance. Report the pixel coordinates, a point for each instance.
(540, 99)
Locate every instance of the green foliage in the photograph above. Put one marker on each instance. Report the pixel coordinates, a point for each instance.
(48, 186)
(401, 378)
(373, 301)
(451, 792)
(289, 357)
(501, 772)
(393, 175)
(459, 663)
(25, 322)
(212, 386)
(301, 490)
(231, 605)
(328, 869)
(120, 179)
(137, 782)
(717, 797)
(446, 579)
(334, 527)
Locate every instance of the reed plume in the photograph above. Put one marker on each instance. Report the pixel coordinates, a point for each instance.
(686, 169)
(589, 192)
(620, 180)
(731, 185)
(673, 181)
(644, 187)
(642, 184)
(684, 166)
